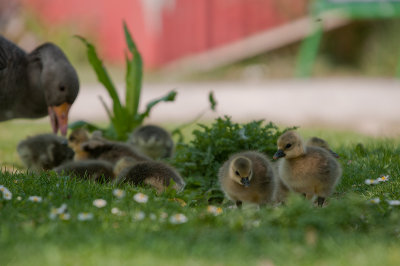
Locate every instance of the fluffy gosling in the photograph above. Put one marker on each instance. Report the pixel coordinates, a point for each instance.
(44, 152)
(310, 170)
(156, 174)
(96, 147)
(96, 170)
(152, 141)
(248, 177)
(75, 139)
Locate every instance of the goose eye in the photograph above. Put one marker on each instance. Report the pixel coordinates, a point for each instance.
(62, 88)
(288, 146)
(237, 173)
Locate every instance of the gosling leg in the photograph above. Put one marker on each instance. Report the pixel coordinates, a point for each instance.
(321, 201)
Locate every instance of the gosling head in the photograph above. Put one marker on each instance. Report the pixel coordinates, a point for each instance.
(290, 145)
(77, 137)
(241, 171)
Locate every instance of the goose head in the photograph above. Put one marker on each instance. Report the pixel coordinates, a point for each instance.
(50, 71)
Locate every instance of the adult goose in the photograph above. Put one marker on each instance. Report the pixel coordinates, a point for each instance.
(37, 84)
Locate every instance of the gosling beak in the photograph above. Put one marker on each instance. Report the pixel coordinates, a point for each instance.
(245, 181)
(334, 154)
(279, 154)
(59, 117)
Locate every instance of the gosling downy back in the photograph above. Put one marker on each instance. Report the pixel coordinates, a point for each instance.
(96, 170)
(318, 142)
(152, 141)
(156, 174)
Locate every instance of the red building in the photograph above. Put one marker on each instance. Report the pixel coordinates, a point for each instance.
(167, 30)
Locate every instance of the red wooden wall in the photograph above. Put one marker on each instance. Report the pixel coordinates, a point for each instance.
(181, 28)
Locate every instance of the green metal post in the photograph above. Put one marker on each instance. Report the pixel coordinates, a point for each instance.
(308, 52)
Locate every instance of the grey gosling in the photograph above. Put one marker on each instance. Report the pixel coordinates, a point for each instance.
(152, 141)
(44, 152)
(318, 142)
(37, 84)
(156, 174)
(310, 170)
(248, 177)
(96, 170)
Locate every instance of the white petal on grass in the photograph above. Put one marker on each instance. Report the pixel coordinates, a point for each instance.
(383, 178)
(35, 198)
(393, 202)
(19, 198)
(85, 216)
(375, 200)
(214, 210)
(4, 190)
(65, 216)
(116, 211)
(138, 216)
(7, 195)
(163, 216)
(141, 198)
(58, 212)
(371, 181)
(53, 213)
(62, 208)
(178, 218)
(119, 193)
(99, 203)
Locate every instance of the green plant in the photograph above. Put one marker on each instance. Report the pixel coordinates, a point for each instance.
(123, 118)
(200, 159)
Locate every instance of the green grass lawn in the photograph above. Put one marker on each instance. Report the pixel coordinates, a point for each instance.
(349, 231)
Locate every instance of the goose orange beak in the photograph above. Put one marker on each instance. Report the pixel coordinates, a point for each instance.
(59, 117)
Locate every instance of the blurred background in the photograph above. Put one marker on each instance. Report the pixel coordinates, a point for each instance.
(247, 51)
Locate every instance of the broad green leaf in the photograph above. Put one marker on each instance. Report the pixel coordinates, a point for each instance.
(134, 73)
(167, 98)
(83, 124)
(102, 75)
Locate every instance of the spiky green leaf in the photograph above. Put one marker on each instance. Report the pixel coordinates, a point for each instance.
(134, 73)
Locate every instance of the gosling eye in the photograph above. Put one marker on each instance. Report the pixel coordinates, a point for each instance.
(62, 88)
(237, 173)
(288, 146)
